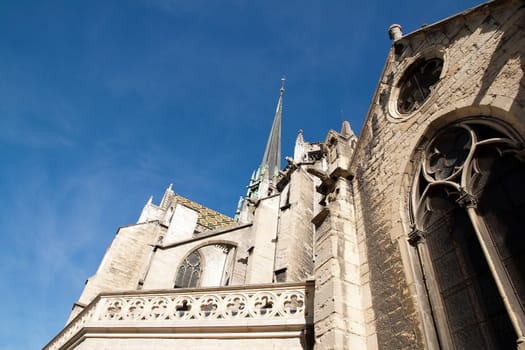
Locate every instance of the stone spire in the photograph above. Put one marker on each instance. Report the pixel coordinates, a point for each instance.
(262, 179)
(271, 162)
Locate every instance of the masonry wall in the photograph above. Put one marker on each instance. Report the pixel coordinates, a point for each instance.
(339, 317)
(264, 232)
(124, 263)
(196, 343)
(484, 55)
(166, 260)
(295, 236)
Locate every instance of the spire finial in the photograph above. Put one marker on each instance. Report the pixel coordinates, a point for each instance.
(299, 138)
(283, 80)
(346, 130)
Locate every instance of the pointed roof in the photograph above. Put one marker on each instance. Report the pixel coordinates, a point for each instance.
(346, 130)
(208, 218)
(300, 138)
(271, 161)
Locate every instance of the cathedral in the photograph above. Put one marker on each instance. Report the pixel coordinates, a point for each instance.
(407, 236)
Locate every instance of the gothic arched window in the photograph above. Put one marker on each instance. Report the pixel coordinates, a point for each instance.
(468, 208)
(189, 273)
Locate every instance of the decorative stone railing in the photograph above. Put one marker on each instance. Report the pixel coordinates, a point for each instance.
(287, 304)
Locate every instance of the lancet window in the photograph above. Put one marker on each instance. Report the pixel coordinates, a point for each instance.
(190, 271)
(468, 207)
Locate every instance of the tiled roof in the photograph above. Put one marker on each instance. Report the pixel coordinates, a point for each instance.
(207, 217)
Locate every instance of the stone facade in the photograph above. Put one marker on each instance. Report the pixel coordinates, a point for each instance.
(483, 56)
(406, 237)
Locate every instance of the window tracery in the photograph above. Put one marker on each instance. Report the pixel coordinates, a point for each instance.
(417, 83)
(190, 271)
(468, 202)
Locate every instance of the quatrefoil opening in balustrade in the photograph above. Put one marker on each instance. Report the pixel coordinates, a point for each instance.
(263, 305)
(235, 306)
(293, 304)
(209, 307)
(159, 308)
(183, 305)
(135, 310)
(114, 310)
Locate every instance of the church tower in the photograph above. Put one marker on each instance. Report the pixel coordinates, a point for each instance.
(262, 181)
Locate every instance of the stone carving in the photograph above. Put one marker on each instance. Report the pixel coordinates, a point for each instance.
(183, 306)
(416, 236)
(71, 329)
(236, 305)
(292, 304)
(208, 306)
(262, 305)
(417, 84)
(448, 153)
(456, 166)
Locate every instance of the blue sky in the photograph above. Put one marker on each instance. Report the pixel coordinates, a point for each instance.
(104, 103)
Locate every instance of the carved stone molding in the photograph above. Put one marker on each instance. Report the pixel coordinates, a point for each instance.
(285, 304)
(467, 200)
(416, 236)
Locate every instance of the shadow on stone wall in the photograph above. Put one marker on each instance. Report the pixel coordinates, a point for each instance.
(510, 46)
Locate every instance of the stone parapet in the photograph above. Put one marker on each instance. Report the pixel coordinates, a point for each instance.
(281, 310)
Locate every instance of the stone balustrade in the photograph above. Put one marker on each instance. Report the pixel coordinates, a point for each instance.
(248, 306)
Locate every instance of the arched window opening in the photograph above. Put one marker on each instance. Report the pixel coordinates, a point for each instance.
(475, 313)
(502, 206)
(468, 205)
(190, 271)
(417, 84)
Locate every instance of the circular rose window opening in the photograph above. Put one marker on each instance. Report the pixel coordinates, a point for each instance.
(417, 83)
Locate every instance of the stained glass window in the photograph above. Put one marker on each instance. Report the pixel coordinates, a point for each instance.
(417, 83)
(471, 175)
(189, 272)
